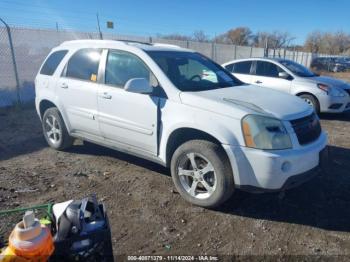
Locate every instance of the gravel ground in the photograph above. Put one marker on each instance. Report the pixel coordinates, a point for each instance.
(148, 216)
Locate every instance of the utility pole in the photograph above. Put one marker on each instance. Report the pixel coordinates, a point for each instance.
(98, 25)
(56, 26)
(266, 47)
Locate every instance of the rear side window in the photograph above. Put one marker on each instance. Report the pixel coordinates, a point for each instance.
(84, 64)
(229, 67)
(242, 67)
(52, 62)
(122, 66)
(267, 69)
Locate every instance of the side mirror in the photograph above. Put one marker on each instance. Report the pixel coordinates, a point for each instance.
(138, 85)
(283, 75)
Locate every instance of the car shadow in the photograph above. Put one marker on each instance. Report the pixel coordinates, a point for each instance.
(97, 150)
(322, 202)
(339, 117)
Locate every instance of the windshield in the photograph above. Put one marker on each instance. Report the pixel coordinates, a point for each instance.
(297, 69)
(192, 71)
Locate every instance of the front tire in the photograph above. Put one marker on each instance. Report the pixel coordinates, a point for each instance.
(311, 101)
(55, 130)
(202, 173)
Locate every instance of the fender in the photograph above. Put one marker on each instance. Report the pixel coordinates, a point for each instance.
(56, 101)
(218, 126)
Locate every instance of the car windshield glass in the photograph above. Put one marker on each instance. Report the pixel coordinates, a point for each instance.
(297, 69)
(192, 71)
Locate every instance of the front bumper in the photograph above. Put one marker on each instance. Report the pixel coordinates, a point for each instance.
(267, 170)
(329, 104)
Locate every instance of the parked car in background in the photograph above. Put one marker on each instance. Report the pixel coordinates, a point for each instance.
(331, 64)
(178, 108)
(344, 62)
(324, 94)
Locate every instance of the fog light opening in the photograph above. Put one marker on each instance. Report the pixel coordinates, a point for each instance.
(286, 166)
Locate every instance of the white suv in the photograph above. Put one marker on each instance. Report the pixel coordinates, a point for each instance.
(157, 102)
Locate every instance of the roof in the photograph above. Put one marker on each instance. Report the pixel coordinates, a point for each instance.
(276, 59)
(122, 43)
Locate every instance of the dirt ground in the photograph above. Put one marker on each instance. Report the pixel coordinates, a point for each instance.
(148, 216)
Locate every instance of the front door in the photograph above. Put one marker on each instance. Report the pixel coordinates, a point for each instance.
(125, 118)
(267, 75)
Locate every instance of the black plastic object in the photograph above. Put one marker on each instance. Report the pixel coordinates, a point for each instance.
(83, 233)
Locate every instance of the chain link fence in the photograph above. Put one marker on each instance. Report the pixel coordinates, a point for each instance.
(31, 46)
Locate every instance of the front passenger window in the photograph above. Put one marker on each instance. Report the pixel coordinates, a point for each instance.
(242, 67)
(267, 69)
(122, 66)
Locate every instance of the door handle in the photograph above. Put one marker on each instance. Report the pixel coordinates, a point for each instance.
(258, 82)
(106, 96)
(64, 85)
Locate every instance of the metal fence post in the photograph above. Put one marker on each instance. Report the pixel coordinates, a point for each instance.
(13, 60)
(213, 53)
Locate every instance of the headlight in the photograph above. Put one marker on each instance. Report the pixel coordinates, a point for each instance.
(332, 91)
(264, 132)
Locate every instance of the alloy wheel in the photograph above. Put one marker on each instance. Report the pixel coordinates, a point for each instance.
(197, 175)
(53, 129)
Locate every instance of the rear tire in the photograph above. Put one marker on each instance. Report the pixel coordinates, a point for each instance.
(312, 101)
(55, 130)
(206, 182)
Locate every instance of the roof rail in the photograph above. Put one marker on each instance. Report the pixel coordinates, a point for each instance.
(134, 42)
(166, 45)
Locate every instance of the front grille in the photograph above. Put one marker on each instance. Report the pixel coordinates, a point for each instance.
(307, 129)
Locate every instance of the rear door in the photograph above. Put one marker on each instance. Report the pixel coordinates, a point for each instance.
(77, 89)
(127, 119)
(267, 75)
(45, 77)
(241, 70)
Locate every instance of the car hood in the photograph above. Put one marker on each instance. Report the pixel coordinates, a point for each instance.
(239, 101)
(327, 80)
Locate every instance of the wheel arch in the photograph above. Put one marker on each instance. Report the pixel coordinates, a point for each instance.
(45, 103)
(315, 97)
(184, 134)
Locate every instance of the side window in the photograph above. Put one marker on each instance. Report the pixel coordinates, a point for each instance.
(84, 64)
(267, 69)
(242, 67)
(229, 68)
(52, 62)
(122, 66)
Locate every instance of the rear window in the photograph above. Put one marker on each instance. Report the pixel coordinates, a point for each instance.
(242, 67)
(84, 64)
(52, 62)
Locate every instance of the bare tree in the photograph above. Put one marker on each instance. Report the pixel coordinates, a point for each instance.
(239, 35)
(280, 39)
(200, 36)
(330, 43)
(313, 42)
(236, 36)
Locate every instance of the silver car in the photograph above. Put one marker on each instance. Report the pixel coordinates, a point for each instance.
(325, 94)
